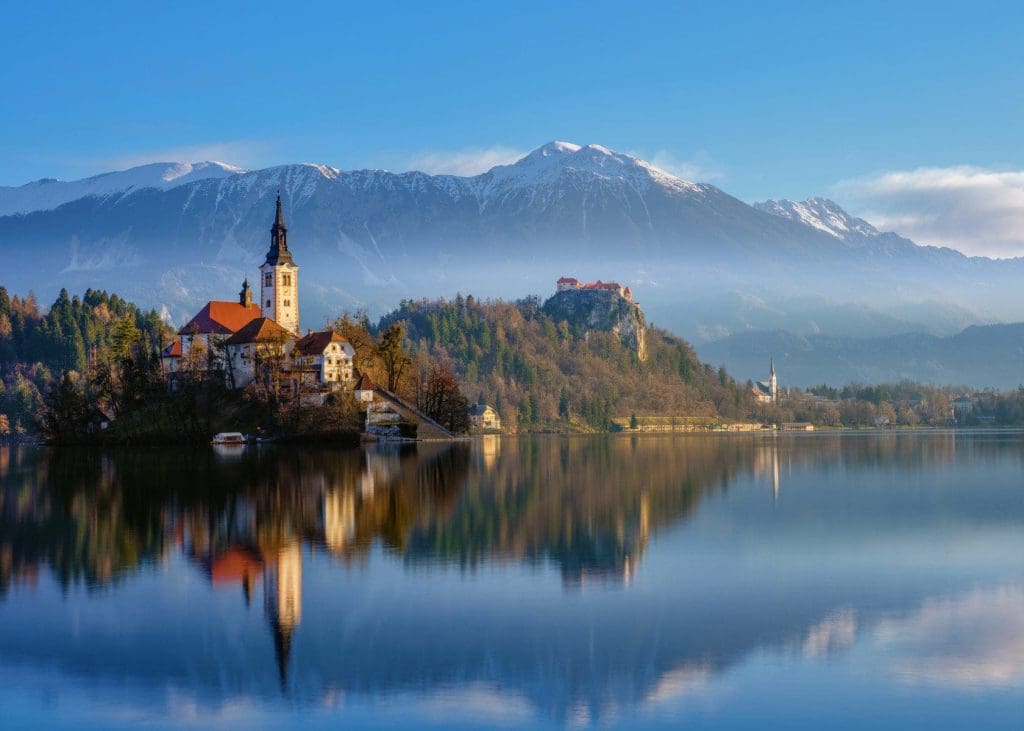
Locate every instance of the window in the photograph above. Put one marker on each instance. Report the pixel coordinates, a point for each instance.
(268, 303)
(287, 303)
(286, 280)
(268, 279)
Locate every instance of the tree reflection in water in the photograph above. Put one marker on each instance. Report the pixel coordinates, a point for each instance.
(589, 507)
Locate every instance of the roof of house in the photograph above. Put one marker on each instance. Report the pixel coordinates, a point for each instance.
(234, 565)
(568, 280)
(221, 318)
(260, 330)
(602, 285)
(478, 409)
(173, 350)
(763, 387)
(316, 343)
(365, 383)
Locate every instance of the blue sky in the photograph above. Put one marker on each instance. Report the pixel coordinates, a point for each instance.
(762, 99)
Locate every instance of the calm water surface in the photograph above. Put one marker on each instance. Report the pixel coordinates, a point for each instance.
(807, 581)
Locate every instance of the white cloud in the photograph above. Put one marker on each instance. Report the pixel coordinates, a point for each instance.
(973, 641)
(468, 161)
(700, 168)
(976, 210)
(835, 632)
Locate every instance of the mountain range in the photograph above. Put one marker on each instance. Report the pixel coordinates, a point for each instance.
(703, 263)
(980, 356)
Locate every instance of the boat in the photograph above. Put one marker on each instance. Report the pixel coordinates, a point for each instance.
(228, 437)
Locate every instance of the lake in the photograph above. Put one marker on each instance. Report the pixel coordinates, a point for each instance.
(822, 580)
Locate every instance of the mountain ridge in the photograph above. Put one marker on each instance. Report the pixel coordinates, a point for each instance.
(979, 356)
(369, 238)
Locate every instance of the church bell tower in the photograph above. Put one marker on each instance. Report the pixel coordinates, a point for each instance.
(279, 278)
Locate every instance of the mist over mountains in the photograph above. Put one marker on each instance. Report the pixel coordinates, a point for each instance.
(702, 262)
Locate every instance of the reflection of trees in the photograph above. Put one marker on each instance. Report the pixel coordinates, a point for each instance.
(588, 505)
(94, 516)
(67, 510)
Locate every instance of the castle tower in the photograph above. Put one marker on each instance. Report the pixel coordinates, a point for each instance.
(773, 382)
(279, 278)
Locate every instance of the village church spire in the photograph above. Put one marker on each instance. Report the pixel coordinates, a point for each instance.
(279, 277)
(279, 239)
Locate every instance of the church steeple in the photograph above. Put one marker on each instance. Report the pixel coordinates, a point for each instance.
(279, 277)
(279, 253)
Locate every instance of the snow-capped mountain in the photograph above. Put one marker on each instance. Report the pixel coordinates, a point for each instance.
(699, 259)
(822, 214)
(827, 216)
(48, 193)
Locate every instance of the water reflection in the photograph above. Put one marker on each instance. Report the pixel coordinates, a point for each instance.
(571, 580)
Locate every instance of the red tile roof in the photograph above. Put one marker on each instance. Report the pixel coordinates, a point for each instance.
(221, 318)
(234, 565)
(173, 350)
(260, 330)
(568, 280)
(602, 285)
(316, 343)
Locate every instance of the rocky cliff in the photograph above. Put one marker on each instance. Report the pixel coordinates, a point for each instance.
(601, 311)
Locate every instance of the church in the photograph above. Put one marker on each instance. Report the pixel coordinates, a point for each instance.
(241, 338)
(767, 392)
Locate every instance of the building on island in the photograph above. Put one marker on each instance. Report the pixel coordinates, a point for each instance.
(364, 389)
(484, 417)
(261, 342)
(767, 392)
(237, 338)
(324, 357)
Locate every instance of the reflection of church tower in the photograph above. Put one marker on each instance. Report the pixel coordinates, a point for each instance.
(283, 602)
(339, 519)
(775, 473)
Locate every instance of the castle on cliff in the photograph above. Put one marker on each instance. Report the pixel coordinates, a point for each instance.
(570, 284)
(600, 306)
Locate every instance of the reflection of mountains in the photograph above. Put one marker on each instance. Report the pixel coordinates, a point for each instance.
(745, 573)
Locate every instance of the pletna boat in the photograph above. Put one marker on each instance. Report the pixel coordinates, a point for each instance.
(228, 437)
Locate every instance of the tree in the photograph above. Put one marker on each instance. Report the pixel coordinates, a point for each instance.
(355, 328)
(391, 351)
(65, 412)
(440, 398)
